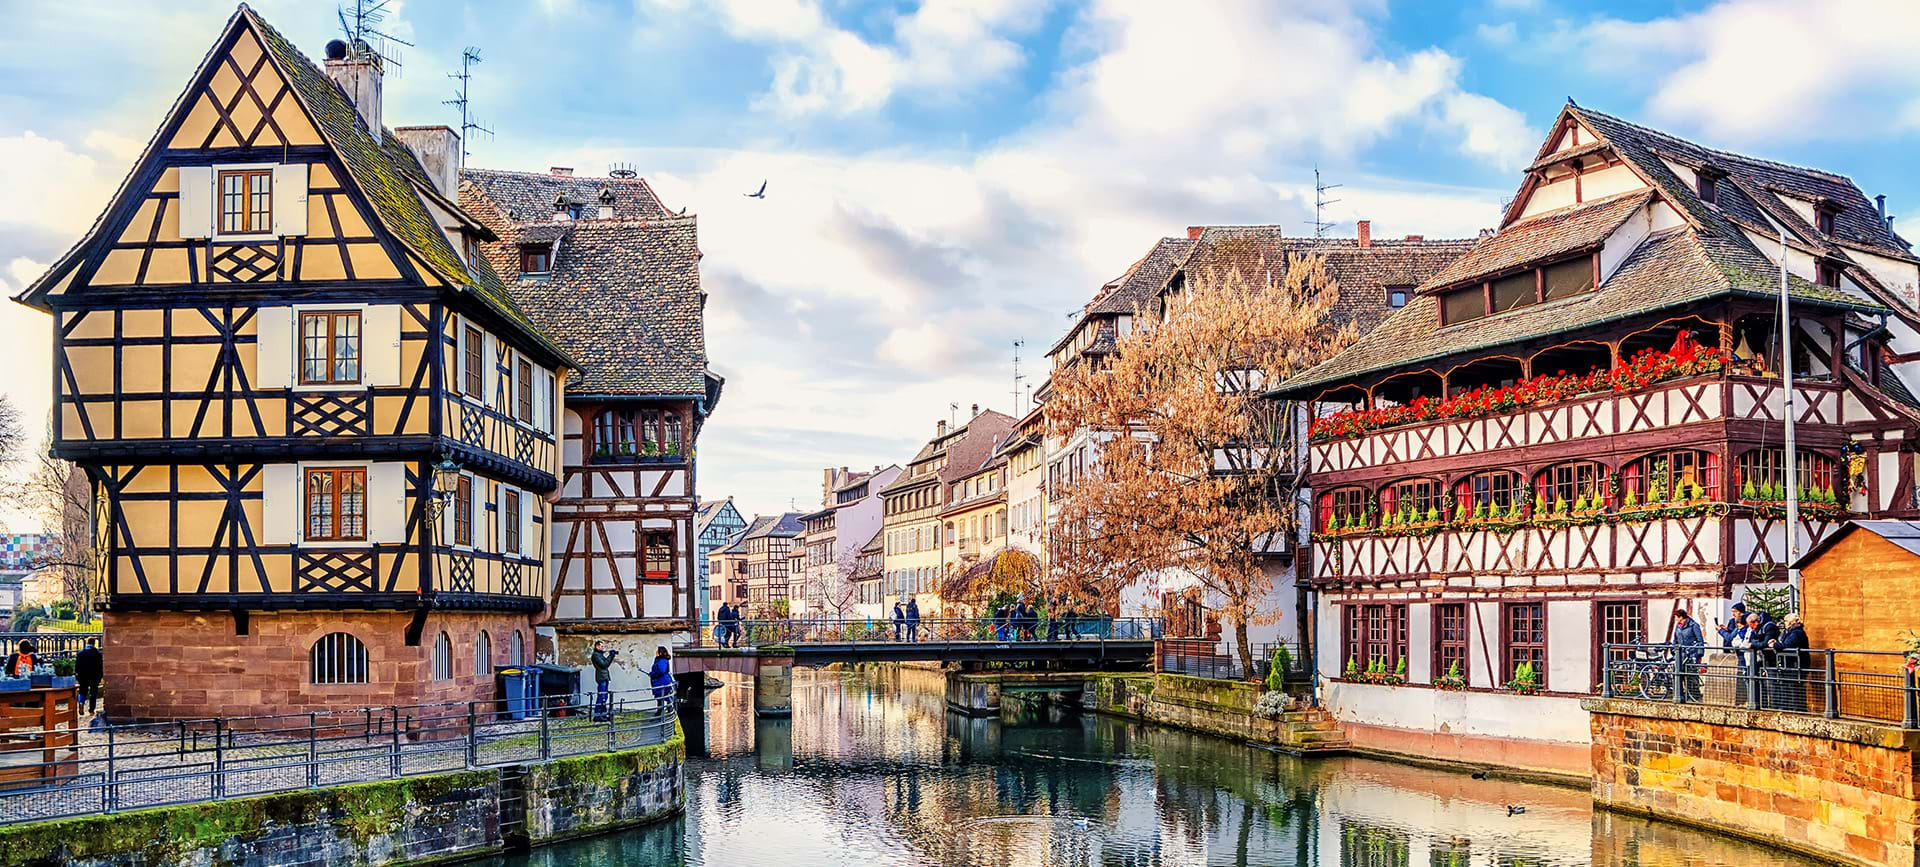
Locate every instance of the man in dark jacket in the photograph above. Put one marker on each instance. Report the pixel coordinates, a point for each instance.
(1761, 633)
(1790, 666)
(87, 671)
(899, 622)
(913, 620)
(603, 680)
(1690, 644)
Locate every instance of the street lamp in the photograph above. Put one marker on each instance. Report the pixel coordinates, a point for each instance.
(446, 480)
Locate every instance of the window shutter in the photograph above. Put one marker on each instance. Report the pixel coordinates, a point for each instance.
(290, 199)
(196, 201)
(528, 544)
(387, 502)
(479, 494)
(380, 339)
(490, 366)
(273, 348)
(280, 504)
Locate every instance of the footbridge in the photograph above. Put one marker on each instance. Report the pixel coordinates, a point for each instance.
(769, 649)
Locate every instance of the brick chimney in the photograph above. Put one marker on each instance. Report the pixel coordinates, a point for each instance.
(356, 69)
(1193, 232)
(438, 150)
(561, 171)
(1365, 227)
(940, 428)
(1416, 237)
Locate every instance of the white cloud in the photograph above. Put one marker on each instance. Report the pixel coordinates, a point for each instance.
(1771, 69)
(1497, 34)
(48, 184)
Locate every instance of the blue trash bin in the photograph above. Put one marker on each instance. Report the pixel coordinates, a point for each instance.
(519, 691)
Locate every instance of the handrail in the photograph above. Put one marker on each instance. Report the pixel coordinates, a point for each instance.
(1867, 685)
(48, 642)
(931, 630)
(140, 765)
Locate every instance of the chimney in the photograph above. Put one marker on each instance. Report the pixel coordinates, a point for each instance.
(356, 70)
(940, 428)
(1365, 227)
(1880, 205)
(975, 411)
(560, 171)
(1416, 237)
(606, 210)
(438, 150)
(1193, 232)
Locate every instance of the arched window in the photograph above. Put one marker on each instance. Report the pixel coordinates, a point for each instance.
(1342, 507)
(1414, 499)
(516, 650)
(337, 658)
(1759, 478)
(1567, 485)
(483, 654)
(442, 658)
(1494, 489)
(1677, 476)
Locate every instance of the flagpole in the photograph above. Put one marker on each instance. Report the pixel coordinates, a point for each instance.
(1791, 463)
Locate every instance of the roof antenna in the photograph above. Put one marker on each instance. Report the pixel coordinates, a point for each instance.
(623, 171)
(468, 59)
(361, 24)
(1017, 377)
(1320, 203)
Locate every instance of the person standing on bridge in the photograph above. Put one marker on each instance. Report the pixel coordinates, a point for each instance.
(913, 620)
(603, 680)
(899, 621)
(87, 667)
(661, 676)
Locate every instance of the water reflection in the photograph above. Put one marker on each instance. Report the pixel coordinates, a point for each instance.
(872, 770)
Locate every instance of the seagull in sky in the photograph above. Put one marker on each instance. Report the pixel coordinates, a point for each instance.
(759, 193)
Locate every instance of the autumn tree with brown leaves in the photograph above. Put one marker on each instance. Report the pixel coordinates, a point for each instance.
(1195, 474)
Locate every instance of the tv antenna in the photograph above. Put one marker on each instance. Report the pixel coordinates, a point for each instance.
(361, 25)
(1320, 203)
(468, 59)
(1017, 377)
(953, 416)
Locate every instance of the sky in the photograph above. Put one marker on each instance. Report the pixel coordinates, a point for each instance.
(945, 178)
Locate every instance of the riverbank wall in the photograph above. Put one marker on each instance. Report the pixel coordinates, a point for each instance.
(1834, 789)
(414, 820)
(1223, 708)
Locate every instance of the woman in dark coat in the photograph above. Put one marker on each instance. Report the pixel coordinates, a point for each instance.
(661, 676)
(1790, 665)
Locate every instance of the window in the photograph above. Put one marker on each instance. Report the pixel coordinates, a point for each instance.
(1462, 305)
(475, 366)
(1515, 290)
(1620, 623)
(1704, 183)
(336, 504)
(1826, 274)
(1496, 489)
(1450, 639)
(1681, 475)
(483, 653)
(1524, 626)
(463, 511)
(516, 650)
(337, 658)
(510, 519)
(1397, 296)
(1566, 485)
(1760, 470)
(1376, 633)
(1415, 498)
(1567, 279)
(330, 348)
(1823, 219)
(442, 658)
(523, 373)
(536, 258)
(659, 554)
(246, 202)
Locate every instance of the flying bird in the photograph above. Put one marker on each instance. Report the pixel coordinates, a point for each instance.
(759, 193)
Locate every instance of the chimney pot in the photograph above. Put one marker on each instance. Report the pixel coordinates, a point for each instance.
(1193, 232)
(561, 171)
(1365, 227)
(357, 73)
(975, 411)
(1416, 237)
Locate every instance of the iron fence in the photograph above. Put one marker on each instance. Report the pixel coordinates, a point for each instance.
(134, 766)
(1175, 659)
(48, 643)
(1868, 685)
(936, 630)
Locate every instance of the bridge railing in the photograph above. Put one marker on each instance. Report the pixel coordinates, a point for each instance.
(935, 630)
(1205, 659)
(1867, 685)
(48, 643)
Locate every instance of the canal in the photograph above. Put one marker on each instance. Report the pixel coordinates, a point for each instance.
(873, 771)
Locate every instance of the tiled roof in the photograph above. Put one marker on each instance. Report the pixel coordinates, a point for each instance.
(1260, 253)
(1142, 282)
(782, 525)
(970, 452)
(1542, 236)
(529, 196)
(623, 296)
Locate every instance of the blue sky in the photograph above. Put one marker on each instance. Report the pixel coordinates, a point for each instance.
(946, 177)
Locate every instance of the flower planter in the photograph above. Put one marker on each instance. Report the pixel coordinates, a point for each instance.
(15, 684)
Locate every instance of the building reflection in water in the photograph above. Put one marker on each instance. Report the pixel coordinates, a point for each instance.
(872, 770)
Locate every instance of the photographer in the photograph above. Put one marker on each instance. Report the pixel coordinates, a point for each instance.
(603, 680)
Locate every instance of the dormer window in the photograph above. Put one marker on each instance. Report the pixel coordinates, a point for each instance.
(536, 258)
(1397, 296)
(1824, 214)
(1706, 184)
(1552, 282)
(1827, 275)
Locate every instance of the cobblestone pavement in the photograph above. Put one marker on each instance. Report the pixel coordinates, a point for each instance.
(171, 764)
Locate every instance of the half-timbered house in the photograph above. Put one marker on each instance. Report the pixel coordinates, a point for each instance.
(716, 522)
(602, 267)
(1576, 428)
(319, 430)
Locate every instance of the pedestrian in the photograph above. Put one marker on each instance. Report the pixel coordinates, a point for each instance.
(661, 676)
(1001, 616)
(1733, 638)
(899, 621)
(603, 681)
(720, 624)
(24, 660)
(1072, 618)
(913, 620)
(87, 670)
(1029, 618)
(1790, 665)
(1689, 645)
(1762, 632)
(1054, 609)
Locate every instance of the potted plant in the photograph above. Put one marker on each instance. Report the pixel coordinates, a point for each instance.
(1396, 677)
(1353, 669)
(1453, 680)
(1525, 681)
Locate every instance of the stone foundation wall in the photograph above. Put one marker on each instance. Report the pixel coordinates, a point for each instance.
(192, 665)
(443, 817)
(1839, 790)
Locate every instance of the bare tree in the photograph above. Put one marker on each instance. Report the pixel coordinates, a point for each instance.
(57, 494)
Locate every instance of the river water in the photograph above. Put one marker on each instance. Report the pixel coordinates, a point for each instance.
(872, 770)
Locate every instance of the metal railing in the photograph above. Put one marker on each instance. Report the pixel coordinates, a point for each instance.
(135, 766)
(1868, 685)
(1175, 658)
(48, 642)
(938, 630)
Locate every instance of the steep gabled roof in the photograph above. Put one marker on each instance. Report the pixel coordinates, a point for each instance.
(1363, 273)
(783, 525)
(529, 196)
(1542, 236)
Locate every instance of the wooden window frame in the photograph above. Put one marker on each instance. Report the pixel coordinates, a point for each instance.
(1441, 643)
(1467, 494)
(1507, 644)
(249, 179)
(473, 363)
(1433, 490)
(536, 254)
(523, 386)
(1826, 274)
(1367, 624)
(333, 319)
(1485, 288)
(1405, 293)
(1600, 637)
(1821, 470)
(1544, 486)
(336, 476)
(647, 547)
(463, 511)
(510, 505)
(1635, 473)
